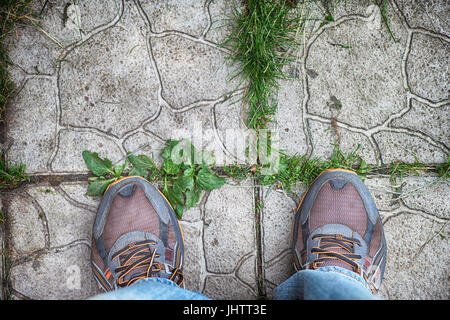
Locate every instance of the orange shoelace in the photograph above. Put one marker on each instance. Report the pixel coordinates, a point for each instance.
(137, 262)
(336, 247)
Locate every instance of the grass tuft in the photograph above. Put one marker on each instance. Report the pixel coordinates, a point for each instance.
(184, 174)
(443, 170)
(263, 32)
(11, 11)
(11, 175)
(294, 169)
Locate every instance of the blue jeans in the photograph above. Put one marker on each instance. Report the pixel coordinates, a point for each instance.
(325, 283)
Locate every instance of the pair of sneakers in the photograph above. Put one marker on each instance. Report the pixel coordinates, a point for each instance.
(137, 235)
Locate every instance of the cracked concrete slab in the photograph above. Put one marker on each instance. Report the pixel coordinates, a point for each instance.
(65, 222)
(351, 61)
(109, 82)
(430, 15)
(32, 51)
(231, 134)
(221, 11)
(229, 226)
(61, 273)
(278, 211)
(68, 22)
(124, 76)
(384, 194)
(191, 71)
(325, 136)
(278, 214)
(72, 143)
(194, 254)
(25, 218)
(432, 121)
(427, 194)
(289, 115)
(144, 142)
(28, 142)
(415, 245)
(427, 67)
(406, 146)
(187, 16)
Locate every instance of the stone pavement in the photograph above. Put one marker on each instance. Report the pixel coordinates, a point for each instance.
(118, 76)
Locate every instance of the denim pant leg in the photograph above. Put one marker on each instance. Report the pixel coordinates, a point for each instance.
(151, 289)
(326, 283)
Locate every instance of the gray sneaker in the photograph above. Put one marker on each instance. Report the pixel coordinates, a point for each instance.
(136, 235)
(337, 224)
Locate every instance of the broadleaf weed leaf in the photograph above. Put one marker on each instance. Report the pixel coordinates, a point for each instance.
(192, 198)
(208, 180)
(185, 182)
(175, 195)
(141, 161)
(118, 168)
(189, 172)
(98, 166)
(167, 151)
(179, 209)
(170, 167)
(208, 159)
(97, 188)
(138, 172)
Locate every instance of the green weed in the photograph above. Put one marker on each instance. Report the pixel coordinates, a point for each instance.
(443, 170)
(238, 172)
(11, 11)
(399, 170)
(11, 174)
(262, 33)
(184, 174)
(293, 169)
(382, 5)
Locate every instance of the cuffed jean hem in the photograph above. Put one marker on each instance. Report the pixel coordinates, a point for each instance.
(151, 289)
(326, 283)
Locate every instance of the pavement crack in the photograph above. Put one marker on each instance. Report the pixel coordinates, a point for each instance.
(66, 51)
(418, 134)
(208, 14)
(74, 202)
(405, 57)
(42, 217)
(432, 34)
(259, 241)
(428, 102)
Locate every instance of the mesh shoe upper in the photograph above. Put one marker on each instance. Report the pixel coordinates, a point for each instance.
(135, 235)
(337, 223)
